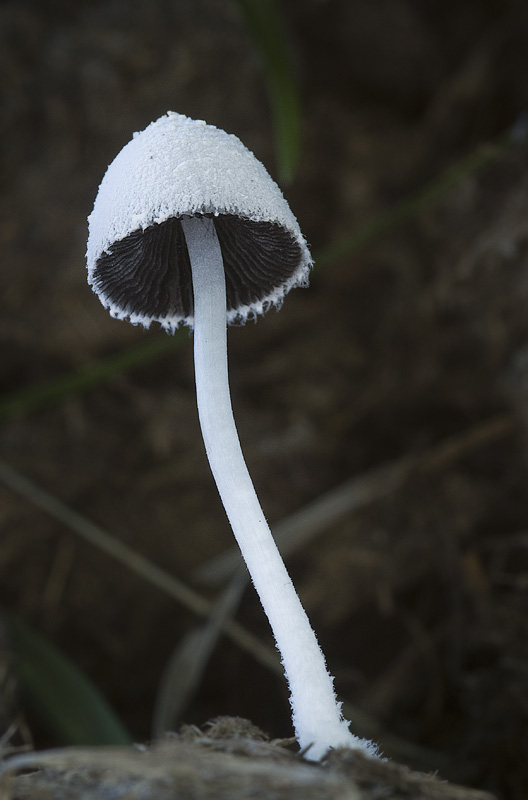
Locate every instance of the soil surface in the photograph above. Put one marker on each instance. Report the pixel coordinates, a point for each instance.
(407, 355)
(230, 758)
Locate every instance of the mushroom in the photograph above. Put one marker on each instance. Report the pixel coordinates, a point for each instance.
(189, 228)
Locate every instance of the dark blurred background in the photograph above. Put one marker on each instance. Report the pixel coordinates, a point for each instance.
(419, 598)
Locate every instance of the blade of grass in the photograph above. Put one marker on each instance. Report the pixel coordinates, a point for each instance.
(146, 569)
(40, 395)
(472, 164)
(186, 667)
(266, 28)
(66, 702)
(294, 532)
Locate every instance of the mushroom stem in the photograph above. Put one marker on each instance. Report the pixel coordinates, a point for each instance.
(317, 717)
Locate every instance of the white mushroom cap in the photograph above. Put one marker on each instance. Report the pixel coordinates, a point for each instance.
(137, 258)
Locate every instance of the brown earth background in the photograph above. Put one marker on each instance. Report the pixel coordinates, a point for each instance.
(419, 598)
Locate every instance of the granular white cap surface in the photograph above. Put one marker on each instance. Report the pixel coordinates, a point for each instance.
(177, 167)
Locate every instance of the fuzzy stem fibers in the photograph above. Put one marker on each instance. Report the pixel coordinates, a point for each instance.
(316, 713)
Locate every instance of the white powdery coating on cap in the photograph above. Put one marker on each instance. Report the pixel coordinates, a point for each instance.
(179, 166)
